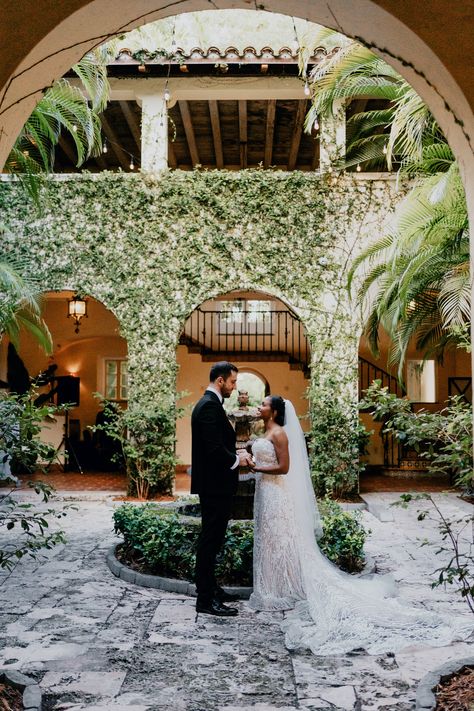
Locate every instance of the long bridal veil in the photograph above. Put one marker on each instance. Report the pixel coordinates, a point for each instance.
(341, 612)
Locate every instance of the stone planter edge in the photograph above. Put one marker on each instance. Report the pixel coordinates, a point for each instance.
(32, 699)
(425, 698)
(182, 587)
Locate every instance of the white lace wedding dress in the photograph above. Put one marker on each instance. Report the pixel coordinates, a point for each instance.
(331, 612)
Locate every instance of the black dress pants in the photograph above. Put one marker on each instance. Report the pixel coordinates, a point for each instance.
(215, 515)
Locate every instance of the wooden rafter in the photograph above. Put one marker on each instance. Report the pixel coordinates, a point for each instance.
(132, 123)
(243, 132)
(189, 131)
(68, 150)
(114, 146)
(297, 131)
(216, 133)
(269, 131)
(172, 162)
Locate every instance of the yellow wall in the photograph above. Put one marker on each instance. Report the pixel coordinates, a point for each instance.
(456, 363)
(79, 354)
(193, 377)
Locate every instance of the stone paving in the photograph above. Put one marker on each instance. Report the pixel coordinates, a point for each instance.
(95, 642)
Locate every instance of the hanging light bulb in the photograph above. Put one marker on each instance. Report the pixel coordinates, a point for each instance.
(167, 94)
(132, 165)
(316, 125)
(307, 90)
(385, 150)
(104, 148)
(358, 168)
(74, 128)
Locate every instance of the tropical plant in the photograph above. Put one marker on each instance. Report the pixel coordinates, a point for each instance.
(20, 304)
(443, 439)
(414, 281)
(64, 108)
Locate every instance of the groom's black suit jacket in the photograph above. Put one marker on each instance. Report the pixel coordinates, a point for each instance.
(213, 449)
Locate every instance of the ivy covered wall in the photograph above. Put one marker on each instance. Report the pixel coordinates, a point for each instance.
(152, 249)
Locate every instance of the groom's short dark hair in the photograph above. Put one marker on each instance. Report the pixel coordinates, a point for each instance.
(222, 368)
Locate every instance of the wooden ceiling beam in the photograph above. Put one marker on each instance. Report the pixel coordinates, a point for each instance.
(269, 132)
(243, 132)
(172, 162)
(216, 133)
(121, 155)
(189, 131)
(132, 123)
(67, 149)
(297, 131)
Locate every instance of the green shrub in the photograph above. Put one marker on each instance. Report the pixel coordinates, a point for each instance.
(343, 536)
(163, 543)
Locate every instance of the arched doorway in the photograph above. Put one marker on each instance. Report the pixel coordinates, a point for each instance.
(89, 358)
(257, 332)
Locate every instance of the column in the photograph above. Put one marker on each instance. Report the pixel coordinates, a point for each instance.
(332, 138)
(154, 133)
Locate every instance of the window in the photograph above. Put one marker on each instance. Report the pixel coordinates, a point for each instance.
(421, 382)
(245, 316)
(116, 379)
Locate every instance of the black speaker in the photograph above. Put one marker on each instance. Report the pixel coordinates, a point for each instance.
(67, 390)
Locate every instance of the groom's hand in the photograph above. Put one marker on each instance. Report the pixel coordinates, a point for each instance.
(244, 459)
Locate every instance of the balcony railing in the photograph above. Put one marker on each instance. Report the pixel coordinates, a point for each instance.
(248, 332)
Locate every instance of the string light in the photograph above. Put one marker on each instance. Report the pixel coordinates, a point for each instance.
(167, 94)
(132, 165)
(104, 148)
(307, 90)
(316, 124)
(358, 168)
(74, 128)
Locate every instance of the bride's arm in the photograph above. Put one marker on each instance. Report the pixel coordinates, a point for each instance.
(280, 442)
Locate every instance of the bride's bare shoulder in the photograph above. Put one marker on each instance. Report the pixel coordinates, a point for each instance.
(279, 436)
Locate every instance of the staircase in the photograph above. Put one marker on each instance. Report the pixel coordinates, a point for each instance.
(248, 336)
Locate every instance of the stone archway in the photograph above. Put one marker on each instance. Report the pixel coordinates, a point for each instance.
(413, 40)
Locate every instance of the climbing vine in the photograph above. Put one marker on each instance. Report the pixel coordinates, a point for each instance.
(152, 249)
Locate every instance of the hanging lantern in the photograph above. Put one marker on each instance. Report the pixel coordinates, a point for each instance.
(77, 309)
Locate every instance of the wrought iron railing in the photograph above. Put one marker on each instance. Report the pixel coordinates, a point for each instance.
(368, 372)
(248, 332)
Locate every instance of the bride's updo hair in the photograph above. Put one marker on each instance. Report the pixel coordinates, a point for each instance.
(278, 404)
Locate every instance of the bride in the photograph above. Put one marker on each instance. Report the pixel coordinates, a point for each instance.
(330, 612)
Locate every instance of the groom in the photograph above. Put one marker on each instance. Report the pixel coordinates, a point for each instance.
(214, 476)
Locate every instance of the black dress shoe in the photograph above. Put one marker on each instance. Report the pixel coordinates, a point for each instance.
(224, 596)
(216, 608)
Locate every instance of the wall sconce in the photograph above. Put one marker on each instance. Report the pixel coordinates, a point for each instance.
(77, 309)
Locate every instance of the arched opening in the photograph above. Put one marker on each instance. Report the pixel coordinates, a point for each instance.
(428, 383)
(89, 358)
(257, 332)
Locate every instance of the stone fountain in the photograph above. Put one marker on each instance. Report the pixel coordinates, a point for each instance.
(244, 419)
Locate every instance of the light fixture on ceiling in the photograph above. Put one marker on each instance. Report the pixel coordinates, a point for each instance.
(77, 309)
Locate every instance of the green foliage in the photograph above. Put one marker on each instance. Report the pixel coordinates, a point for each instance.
(456, 540)
(164, 542)
(19, 301)
(33, 524)
(152, 249)
(443, 438)
(146, 435)
(64, 109)
(343, 536)
(335, 469)
(20, 425)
